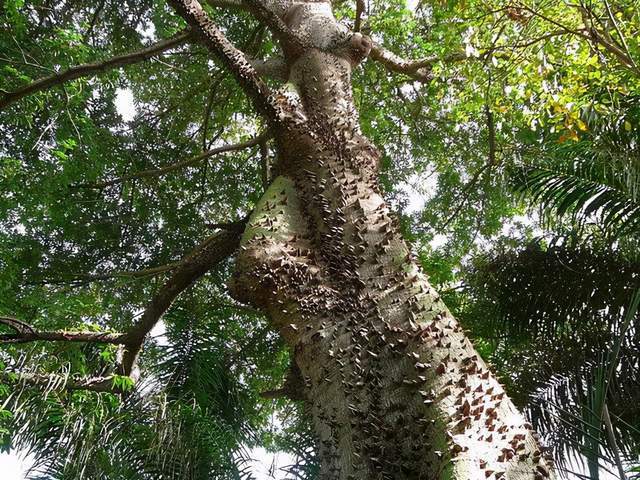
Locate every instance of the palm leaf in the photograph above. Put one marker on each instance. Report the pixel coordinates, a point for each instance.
(583, 192)
(572, 411)
(550, 311)
(596, 179)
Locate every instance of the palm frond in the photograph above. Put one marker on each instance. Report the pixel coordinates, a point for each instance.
(595, 179)
(548, 312)
(571, 410)
(94, 436)
(583, 191)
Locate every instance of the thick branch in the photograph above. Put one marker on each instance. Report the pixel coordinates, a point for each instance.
(293, 387)
(233, 4)
(157, 172)
(237, 226)
(90, 69)
(191, 11)
(291, 43)
(418, 69)
(205, 256)
(26, 333)
(421, 69)
(275, 67)
(357, 26)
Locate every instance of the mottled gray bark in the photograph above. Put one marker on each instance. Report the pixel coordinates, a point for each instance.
(395, 388)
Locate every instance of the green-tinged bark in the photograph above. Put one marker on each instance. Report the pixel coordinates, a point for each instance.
(395, 388)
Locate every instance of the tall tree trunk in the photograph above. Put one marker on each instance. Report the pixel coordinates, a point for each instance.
(395, 388)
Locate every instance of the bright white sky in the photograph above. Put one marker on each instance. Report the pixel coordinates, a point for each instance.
(12, 467)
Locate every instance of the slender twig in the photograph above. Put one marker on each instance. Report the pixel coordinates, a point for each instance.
(157, 172)
(90, 69)
(89, 277)
(491, 161)
(357, 25)
(612, 17)
(213, 91)
(591, 34)
(94, 19)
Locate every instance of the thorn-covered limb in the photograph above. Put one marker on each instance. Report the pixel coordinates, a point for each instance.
(271, 14)
(91, 69)
(234, 59)
(356, 48)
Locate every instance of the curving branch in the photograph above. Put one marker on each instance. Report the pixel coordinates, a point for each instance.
(199, 261)
(191, 11)
(203, 258)
(90, 69)
(417, 69)
(157, 172)
(420, 69)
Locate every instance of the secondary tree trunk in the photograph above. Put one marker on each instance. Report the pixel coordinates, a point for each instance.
(395, 388)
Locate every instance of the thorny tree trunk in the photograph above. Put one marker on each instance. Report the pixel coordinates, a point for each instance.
(395, 389)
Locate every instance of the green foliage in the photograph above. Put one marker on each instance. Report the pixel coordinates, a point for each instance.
(594, 179)
(566, 123)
